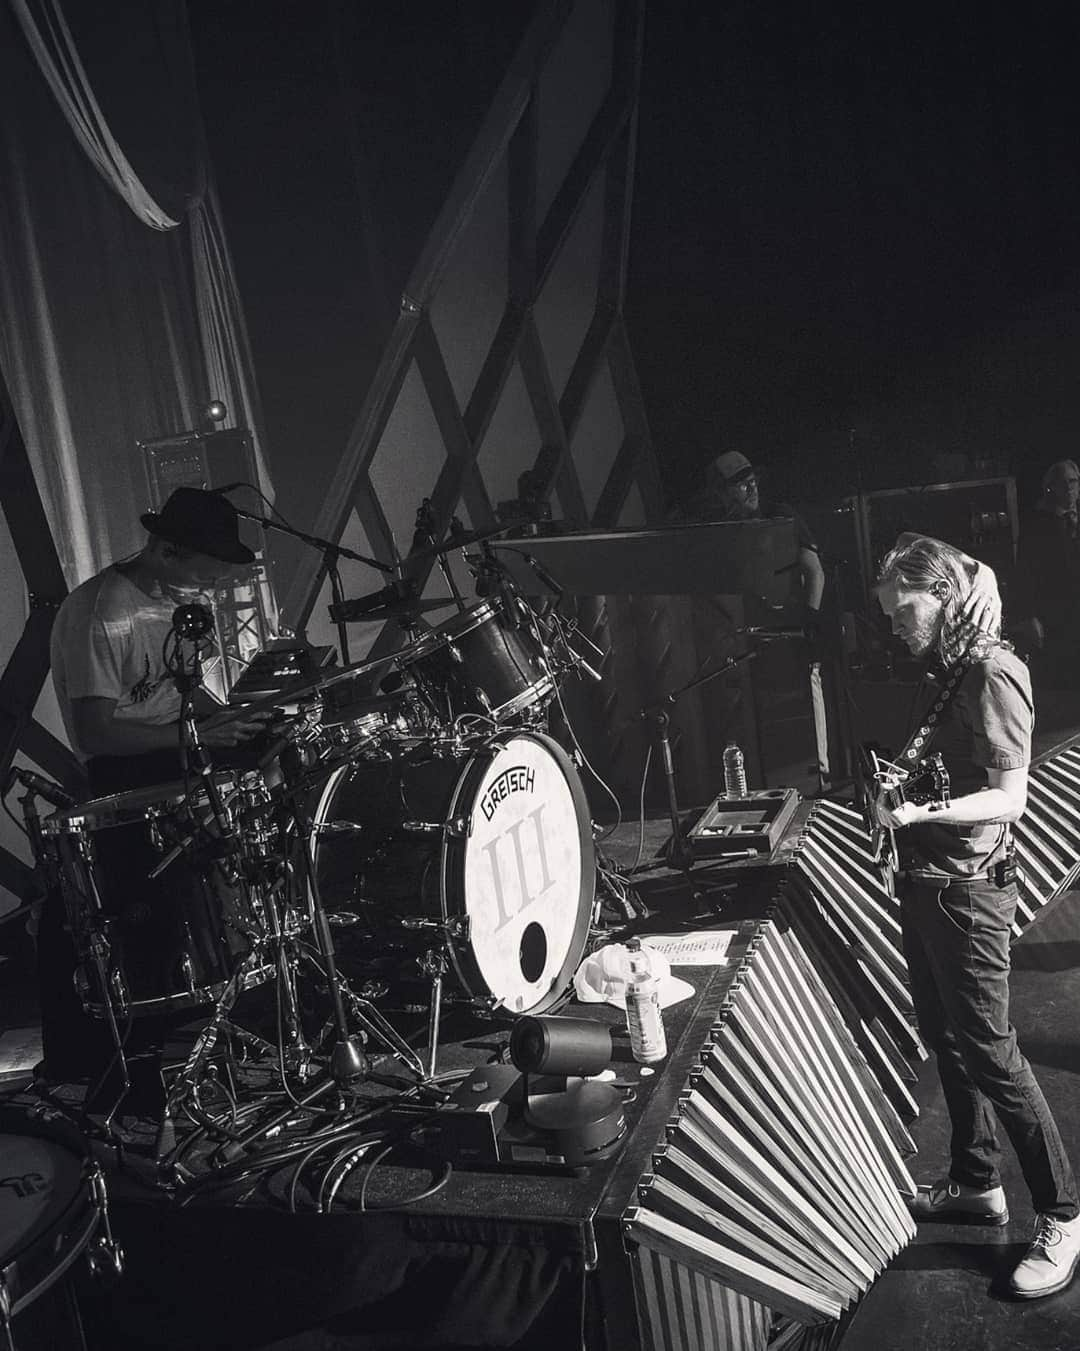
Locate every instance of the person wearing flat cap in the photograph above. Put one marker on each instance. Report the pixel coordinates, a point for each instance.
(119, 703)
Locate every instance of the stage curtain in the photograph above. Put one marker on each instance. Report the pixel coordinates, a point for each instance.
(114, 327)
(50, 40)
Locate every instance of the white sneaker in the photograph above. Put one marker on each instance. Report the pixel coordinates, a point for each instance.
(1051, 1259)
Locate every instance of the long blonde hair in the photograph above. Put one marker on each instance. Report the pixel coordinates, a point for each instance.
(929, 565)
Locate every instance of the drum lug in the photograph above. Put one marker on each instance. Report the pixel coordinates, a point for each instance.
(457, 927)
(118, 989)
(421, 827)
(458, 828)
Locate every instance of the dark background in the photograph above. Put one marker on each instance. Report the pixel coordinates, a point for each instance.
(853, 236)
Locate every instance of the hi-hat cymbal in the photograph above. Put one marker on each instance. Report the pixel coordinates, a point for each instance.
(405, 609)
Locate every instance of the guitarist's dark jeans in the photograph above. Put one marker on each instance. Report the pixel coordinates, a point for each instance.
(956, 941)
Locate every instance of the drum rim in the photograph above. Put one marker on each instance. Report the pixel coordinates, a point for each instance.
(526, 698)
(73, 1225)
(78, 819)
(453, 858)
(451, 629)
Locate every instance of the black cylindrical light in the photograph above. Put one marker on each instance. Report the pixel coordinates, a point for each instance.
(550, 1045)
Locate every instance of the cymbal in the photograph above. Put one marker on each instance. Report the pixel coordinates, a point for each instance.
(402, 609)
(464, 540)
(305, 690)
(398, 600)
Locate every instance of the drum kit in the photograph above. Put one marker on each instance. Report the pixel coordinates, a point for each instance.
(412, 820)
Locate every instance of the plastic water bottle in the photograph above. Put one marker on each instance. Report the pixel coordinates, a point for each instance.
(734, 771)
(644, 1018)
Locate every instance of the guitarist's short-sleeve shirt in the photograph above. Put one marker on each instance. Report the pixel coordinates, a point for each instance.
(988, 725)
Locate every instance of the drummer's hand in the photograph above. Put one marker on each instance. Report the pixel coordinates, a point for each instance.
(231, 728)
(982, 609)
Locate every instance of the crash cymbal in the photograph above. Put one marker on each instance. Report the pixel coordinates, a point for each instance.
(304, 691)
(398, 600)
(463, 540)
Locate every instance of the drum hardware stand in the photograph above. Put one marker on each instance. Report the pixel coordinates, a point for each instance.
(679, 853)
(424, 537)
(91, 941)
(219, 1022)
(434, 965)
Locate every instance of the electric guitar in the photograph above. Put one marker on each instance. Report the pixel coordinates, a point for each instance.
(888, 783)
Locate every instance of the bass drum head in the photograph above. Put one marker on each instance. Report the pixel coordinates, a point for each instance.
(48, 1215)
(519, 866)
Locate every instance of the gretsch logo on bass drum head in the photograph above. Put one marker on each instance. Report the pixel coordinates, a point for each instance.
(516, 779)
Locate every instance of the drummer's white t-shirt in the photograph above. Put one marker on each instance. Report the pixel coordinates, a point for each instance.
(107, 642)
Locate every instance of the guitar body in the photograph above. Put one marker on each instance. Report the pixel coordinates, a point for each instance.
(887, 783)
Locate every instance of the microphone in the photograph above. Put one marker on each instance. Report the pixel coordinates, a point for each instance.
(543, 574)
(51, 792)
(770, 633)
(192, 621)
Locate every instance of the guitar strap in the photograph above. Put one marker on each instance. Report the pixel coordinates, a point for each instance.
(918, 743)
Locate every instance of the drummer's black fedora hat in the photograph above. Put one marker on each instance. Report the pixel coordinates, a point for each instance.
(200, 520)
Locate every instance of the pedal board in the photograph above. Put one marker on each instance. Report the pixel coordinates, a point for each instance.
(743, 827)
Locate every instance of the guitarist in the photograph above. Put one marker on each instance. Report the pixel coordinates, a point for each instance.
(957, 891)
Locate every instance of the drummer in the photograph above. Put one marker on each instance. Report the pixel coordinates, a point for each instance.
(121, 709)
(119, 703)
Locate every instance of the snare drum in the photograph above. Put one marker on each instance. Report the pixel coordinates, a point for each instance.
(489, 853)
(372, 728)
(53, 1211)
(171, 941)
(479, 663)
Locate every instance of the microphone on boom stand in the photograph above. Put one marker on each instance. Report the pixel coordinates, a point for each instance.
(771, 633)
(194, 624)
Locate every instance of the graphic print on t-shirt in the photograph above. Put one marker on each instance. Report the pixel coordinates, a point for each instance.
(145, 686)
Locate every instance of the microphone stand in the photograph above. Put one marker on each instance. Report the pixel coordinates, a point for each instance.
(679, 854)
(193, 624)
(331, 553)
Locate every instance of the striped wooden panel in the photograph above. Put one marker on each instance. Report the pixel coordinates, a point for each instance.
(682, 1308)
(849, 922)
(780, 1176)
(1048, 834)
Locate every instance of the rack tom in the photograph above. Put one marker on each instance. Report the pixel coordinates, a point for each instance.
(484, 662)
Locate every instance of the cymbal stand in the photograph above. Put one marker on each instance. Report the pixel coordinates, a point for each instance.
(331, 554)
(424, 536)
(186, 1083)
(679, 854)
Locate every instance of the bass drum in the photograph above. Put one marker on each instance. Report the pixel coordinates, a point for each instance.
(490, 851)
